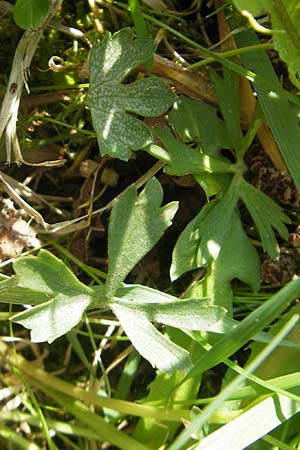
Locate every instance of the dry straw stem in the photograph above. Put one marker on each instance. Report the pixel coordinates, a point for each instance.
(17, 191)
(18, 78)
(196, 85)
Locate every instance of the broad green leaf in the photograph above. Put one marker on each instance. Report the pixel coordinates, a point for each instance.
(54, 318)
(110, 101)
(237, 259)
(182, 159)
(227, 91)
(152, 345)
(266, 215)
(279, 114)
(216, 227)
(67, 297)
(198, 122)
(254, 7)
(136, 224)
(185, 253)
(189, 314)
(48, 274)
(30, 13)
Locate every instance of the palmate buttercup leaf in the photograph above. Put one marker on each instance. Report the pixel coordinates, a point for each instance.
(111, 60)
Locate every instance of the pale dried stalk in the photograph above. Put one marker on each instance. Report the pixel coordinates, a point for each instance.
(18, 78)
(17, 191)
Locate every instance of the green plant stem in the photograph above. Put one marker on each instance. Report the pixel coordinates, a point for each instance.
(90, 134)
(232, 53)
(59, 87)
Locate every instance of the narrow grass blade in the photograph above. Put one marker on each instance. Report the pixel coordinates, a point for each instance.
(96, 423)
(138, 19)
(205, 415)
(278, 113)
(252, 324)
(252, 425)
(15, 439)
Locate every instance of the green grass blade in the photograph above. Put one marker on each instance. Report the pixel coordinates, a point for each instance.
(138, 19)
(252, 324)
(290, 407)
(237, 68)
(252, 425)
(96, 423)
(16, 440)
(278, 113)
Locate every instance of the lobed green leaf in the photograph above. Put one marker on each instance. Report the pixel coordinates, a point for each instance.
(54, 318)
(267, 215)
(188, 314)
(182, 159)
(48, 274)
(136, 224)
(152, 345)
(110, 101)
(237, 259)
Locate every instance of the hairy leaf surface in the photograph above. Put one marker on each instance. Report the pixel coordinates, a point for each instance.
(111, 60)
(152, 345)
(136, 224)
